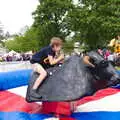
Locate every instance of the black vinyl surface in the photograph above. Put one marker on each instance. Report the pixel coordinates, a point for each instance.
(67, 82)
(72, 81)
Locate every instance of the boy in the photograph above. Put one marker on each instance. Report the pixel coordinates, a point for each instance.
(45, 59)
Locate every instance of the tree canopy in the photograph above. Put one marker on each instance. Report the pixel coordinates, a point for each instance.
(50, 19)
(93, 22)
(1, 32)
(22, 43)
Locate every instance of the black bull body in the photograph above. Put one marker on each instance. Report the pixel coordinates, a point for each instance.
(74, 80)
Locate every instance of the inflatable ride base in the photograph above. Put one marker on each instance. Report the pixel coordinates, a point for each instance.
(59, 108)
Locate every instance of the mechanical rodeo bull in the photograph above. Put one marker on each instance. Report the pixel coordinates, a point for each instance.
(75, 79)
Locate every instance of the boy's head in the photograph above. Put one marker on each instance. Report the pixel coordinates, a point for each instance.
(56, 44)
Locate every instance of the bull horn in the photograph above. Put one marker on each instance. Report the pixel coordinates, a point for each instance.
(86, 60)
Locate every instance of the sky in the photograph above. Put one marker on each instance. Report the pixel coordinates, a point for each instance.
(15, 14)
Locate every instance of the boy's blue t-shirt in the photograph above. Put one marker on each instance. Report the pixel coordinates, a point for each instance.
(41, 56)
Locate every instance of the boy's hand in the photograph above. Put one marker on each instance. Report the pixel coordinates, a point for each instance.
(55, 61)
(62, 56)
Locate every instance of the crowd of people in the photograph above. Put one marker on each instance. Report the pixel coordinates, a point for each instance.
(107, 54)
(114, 56)
(15, 57)
(110, 56)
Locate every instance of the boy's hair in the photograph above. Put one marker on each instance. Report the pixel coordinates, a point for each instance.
(56, 41)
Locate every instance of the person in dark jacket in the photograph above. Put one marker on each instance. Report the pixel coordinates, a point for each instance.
(45, 59)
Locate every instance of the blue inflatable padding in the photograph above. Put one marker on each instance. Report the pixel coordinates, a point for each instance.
(19, 78)
(100, 115)
(118, 71)
(22, 116)
(117, 86)
(14, 79)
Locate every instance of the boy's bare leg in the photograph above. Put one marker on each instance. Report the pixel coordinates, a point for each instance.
(38, 68)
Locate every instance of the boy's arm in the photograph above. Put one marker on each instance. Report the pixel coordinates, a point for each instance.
(54, 61)
(86, 61)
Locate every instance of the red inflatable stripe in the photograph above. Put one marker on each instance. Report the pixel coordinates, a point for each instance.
(62, 108)
(11, 102)
(98, 95)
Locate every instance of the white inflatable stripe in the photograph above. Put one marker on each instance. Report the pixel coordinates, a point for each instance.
(109, 103)
(21, 91)
(52, 118)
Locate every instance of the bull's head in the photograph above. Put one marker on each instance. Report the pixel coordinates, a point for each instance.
(101, 69)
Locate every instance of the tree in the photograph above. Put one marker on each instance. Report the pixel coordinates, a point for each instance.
(23, 43)
(1, 32)
(49, 19)
(96, 21)
(92, 22)
(7, 35)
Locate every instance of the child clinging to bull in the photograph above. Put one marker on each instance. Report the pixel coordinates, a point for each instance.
(45, 59)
